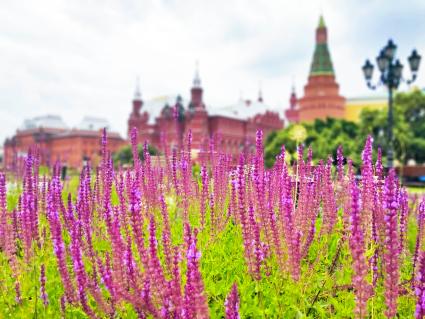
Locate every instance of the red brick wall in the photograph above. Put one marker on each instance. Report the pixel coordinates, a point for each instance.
(232, 134)
(73, 149)
(229, 132)
(69, 149)
(321, 99)
(172, 129)
(197, 122)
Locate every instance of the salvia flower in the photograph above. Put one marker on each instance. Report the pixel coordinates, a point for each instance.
(420, 222)
(195, 300)
(126, 239)
(329, 202)
(43, 293)
(18, 295)
(204, 193)
(63, 306)
(362, 288)
(232, 303)
(340, 161)
(367, 183)
(3, 211)
(420, 288)
(404, 210)
(392, 245)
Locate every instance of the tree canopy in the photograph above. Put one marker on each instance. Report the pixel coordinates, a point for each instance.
(324, 136)
(125, 154)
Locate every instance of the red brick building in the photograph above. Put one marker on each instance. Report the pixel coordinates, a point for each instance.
(172, 118)
(57, 142)
(321, 97)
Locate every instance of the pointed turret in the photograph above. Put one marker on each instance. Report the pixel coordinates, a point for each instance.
(137, 94)
(196, 91)
(293, 99)
(260, 94)
(138, 119)
(196, 78)
(322, 63)
(137, 100)
(321, 97)
(196, 118)
(292, 114)
(321, 22)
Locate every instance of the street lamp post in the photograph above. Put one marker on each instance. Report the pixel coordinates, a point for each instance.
(391, 75)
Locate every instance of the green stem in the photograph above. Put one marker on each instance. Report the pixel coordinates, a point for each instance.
(34, 274)
(296, 180)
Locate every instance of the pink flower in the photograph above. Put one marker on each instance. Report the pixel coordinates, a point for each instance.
(362, 288)
(43, 293)
(232, 303)
(420, 288)
(392, 245)
(195, 301)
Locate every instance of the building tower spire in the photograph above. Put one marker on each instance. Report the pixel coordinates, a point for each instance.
(293, 98)
(321, 97)
(260, 93)
(197, 78)
(196, 91)
(137, 100)
(322, 63)
(137, 119)
(137, 93)
(292, 114)
(321, 22)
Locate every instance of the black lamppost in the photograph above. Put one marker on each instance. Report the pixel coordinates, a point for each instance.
(391, 75)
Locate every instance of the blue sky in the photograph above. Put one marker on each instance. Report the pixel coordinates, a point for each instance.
(81, 58)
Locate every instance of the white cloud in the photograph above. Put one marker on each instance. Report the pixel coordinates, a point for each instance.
(77, 58)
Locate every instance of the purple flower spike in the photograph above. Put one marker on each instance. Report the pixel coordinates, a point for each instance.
(43, 292)
(392, 245)
(368, 184)
(362, 288)
(340, 161)
(232, 303)
(404, 210)
(420, 288)
(195, 300)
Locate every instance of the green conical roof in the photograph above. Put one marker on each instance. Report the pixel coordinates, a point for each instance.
(322, 63)
(321, 22)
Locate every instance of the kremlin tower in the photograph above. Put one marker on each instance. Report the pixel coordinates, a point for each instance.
(292, 114)
(197, 115)
(166, 121)
(138, 119)
(321, 93)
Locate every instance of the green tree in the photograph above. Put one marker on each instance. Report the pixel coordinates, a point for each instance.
(274, 143)
(409, 126)
(412, 106)
(125, 154)
(324, 136)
